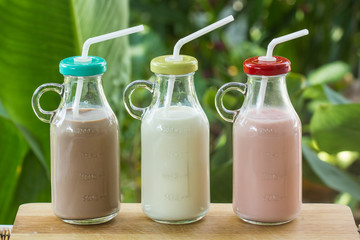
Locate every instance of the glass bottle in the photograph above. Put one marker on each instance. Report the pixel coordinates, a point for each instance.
(84, 145)
(266, 145)
(174, 144)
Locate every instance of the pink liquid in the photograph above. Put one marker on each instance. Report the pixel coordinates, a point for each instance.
(267, 166)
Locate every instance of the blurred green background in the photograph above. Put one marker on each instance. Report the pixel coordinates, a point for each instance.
(324, 83)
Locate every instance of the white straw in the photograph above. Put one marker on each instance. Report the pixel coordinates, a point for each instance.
(199, 33)
(108, 36)
(84, 57)
(270, 58)
(169, 91)
(77, 97)
(261, 97)
(181, 42)
(282, 39)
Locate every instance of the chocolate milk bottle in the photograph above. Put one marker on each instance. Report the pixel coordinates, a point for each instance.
(266, 142)
(84, 145)
(84, 136)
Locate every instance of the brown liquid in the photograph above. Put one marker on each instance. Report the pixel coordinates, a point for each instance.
(85, 165)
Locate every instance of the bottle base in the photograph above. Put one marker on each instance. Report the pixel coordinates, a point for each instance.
(175, 222)
(264, 223)
(91, 221)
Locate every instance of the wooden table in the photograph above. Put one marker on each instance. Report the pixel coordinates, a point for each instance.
(316, 221)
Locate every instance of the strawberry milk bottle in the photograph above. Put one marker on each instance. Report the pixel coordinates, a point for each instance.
(266, 142)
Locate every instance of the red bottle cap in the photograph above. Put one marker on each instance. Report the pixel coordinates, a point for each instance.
(254, 66)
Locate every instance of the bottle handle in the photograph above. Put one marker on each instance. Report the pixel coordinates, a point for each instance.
(136, 112)
(42, 114)
(226, 114)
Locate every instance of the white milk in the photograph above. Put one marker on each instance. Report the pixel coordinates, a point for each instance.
(175, 164)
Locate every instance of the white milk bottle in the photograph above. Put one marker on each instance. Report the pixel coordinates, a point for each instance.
(174, 145)
(175, 185)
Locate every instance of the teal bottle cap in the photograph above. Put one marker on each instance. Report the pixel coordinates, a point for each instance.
(75, 66)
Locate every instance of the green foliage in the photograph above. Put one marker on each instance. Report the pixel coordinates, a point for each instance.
(329, 73)
(336, 128)
(221, 168)
(331, 175)
(33, 185)
(13, 149)
(333, 96)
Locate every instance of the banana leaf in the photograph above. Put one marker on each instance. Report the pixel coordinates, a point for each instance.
(336, 128)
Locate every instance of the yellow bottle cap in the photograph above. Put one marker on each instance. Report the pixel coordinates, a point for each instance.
(185, 64)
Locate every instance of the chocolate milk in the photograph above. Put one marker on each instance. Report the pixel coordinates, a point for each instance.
(85, 165)
(267, 166)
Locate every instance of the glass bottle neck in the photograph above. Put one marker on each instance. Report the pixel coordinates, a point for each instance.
(91, 92)
(267, 91)
(175, 90)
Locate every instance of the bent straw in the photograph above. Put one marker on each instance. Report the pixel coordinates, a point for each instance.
(184, 40)
(270, 58)
(84, 57)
